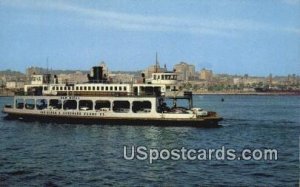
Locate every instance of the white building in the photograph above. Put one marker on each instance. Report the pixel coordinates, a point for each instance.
(14, 85)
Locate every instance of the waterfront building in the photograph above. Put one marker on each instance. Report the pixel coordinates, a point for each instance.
(77, 77)
(206, 74)
(121, 78)
(185, 71)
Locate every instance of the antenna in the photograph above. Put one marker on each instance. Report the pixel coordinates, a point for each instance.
(156, 63)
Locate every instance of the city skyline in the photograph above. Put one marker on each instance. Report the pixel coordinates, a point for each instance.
(197, 72)
(231, 37)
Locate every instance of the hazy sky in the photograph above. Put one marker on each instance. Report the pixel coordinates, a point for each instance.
(257, 37)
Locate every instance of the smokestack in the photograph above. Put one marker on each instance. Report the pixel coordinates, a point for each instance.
(144, 79)
(97, 75)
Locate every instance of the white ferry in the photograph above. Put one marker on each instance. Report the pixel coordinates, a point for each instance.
(153, 102)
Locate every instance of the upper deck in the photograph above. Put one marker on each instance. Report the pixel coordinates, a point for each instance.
(160, 84)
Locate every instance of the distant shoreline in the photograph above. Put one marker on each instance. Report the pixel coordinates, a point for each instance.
(249, 93)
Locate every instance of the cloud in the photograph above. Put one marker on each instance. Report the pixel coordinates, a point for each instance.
(137, 22)
(293, 30)
(292, 2)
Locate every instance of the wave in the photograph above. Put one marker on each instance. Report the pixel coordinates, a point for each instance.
(262, 175)
(18, 172)
(259, 120)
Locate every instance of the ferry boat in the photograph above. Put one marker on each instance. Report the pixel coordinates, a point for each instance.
(155, 101)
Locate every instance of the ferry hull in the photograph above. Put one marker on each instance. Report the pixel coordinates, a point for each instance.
(89, 120)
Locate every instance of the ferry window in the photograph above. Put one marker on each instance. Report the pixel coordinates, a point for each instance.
(141, 106)
(121, 106)
(45, 88)
(20, 103)
(106, 87)
(41, 104)
(89, 88)
(55, 104)
(77, 88)
(80, 87)
(65, 88)
(85, 105)
(98, 88)
(84, 87)
(120, 88)
(149, 90)
(70, 105)
(157, 90)
(61, 88)
(102, 105)
(29, 104)
(158, 77)
(125, 88)
(111, 88)
(162, 77)
(53, 88)
(116, 88)
(154, 77)
(102, 88)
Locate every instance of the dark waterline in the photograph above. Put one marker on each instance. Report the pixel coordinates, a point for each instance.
(41, 153)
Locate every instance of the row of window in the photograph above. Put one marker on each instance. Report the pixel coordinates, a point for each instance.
(85, 105)
(165, 77)
(90, 88)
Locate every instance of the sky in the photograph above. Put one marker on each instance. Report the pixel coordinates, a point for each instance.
(240, 37)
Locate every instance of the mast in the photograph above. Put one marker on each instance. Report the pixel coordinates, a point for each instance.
(47, 64)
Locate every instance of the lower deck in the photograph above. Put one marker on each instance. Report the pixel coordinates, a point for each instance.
(209, 121)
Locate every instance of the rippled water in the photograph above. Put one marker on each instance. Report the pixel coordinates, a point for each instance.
(41, 153)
